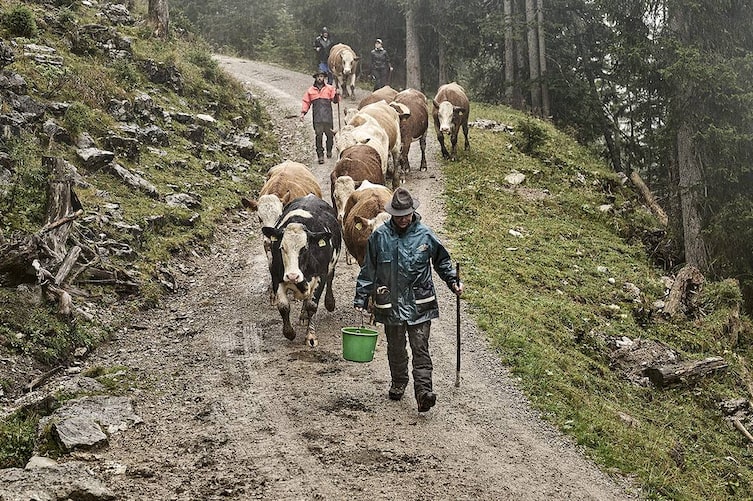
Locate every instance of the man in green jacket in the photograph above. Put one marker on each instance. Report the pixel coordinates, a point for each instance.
(397, 274)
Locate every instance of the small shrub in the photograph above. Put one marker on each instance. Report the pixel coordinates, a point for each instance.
(20, 22)
(530, 137)
(17, 441)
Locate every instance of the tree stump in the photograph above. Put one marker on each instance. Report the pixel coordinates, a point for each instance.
(687, 285)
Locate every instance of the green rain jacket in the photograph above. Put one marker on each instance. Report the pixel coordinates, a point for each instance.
(397, 273)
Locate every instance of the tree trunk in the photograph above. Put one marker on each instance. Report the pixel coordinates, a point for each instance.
(545, 108)
(509, 54)
(690, 186)
(520, 55)
(412, 54)
(442, 56)
(533, 57)
(159, 17)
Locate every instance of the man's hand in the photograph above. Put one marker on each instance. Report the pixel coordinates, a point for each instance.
(361, 310)
(302, 115)
(457, 287)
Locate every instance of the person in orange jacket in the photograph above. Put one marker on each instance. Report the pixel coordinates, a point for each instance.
(319, 98)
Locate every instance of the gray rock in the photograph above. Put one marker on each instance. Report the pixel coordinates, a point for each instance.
(117, 14)
(94, 158)
(39, 462)
(82, 423)
(182, 200)
(67, 481)
(13, 82)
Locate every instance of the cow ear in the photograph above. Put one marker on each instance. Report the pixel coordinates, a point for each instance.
(435, 103)
(271, 232)
(285, 198)
(249, 204)
(361, 222)
(459, 110)
(320, 237)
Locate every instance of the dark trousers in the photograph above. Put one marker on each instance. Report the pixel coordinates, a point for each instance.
(380, 77)
(397, 354)
(327, 130)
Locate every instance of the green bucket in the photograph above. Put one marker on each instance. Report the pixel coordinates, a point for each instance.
(359, 344)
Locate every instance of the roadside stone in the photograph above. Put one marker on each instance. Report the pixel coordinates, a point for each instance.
(67, 481)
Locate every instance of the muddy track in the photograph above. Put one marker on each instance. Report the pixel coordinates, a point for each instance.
(232, 409)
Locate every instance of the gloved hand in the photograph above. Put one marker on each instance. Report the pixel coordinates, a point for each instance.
(361, 310)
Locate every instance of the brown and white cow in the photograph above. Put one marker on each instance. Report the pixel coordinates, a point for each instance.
(389, 120)
(364, 129)
(386, 94)
(306, 244)
(364, 212)
(285, 182)
(360, 163)
(343, 63)
(450, 113)
(414, 122)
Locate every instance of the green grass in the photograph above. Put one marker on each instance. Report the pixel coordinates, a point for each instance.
(549, 307)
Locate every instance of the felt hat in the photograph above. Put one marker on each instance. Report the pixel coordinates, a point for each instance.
(319, 72)
(378, 40)
(402, 203)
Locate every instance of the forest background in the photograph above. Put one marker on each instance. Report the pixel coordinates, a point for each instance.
(661, 88)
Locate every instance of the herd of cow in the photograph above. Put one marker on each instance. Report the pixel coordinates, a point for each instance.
(303, 234)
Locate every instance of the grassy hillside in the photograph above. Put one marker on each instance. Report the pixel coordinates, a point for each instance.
(549, 265)
(63, 52)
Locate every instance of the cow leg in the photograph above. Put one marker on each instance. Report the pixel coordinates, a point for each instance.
(422, 143)
(454, 140)
(329, 296)
(445, 153)
(465, 133)
(308, 309)
(283, 306)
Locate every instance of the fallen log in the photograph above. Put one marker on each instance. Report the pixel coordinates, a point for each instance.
(683, 373)
(648, 197)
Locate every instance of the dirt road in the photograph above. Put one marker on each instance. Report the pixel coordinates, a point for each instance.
(232, 409)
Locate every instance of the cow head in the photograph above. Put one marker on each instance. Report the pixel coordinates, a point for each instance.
(349, 62)
(297, 248)
(447, 114)
(344, 187)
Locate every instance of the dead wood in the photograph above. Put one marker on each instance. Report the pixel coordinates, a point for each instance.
(67, 266)
(32, 385)
(648, 197)
(686, 286)
(741, 428)
(678, 374)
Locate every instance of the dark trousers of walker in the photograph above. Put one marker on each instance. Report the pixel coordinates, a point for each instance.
(326, 129)
(380, 78)
(397, 354)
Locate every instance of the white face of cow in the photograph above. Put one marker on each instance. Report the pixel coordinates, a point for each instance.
(344, 187)
(294, 241)
(269, 209)
(445, 113)
(348, 58)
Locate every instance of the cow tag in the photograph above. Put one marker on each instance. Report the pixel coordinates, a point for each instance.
(322, 243)
(273, 239)
(359, 226)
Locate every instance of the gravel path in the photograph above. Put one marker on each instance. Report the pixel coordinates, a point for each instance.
(232, 409)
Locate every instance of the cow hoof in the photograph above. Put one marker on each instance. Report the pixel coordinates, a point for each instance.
(329, 303)
(312, 342)
(289, 333)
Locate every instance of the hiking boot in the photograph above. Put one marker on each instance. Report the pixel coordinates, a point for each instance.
(397, 390)
(321, 160)
(426, 401)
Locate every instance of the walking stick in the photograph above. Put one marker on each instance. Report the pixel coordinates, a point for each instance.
(339, 125)
(457, 323)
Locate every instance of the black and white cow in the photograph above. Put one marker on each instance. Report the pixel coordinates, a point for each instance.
(305, 246)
